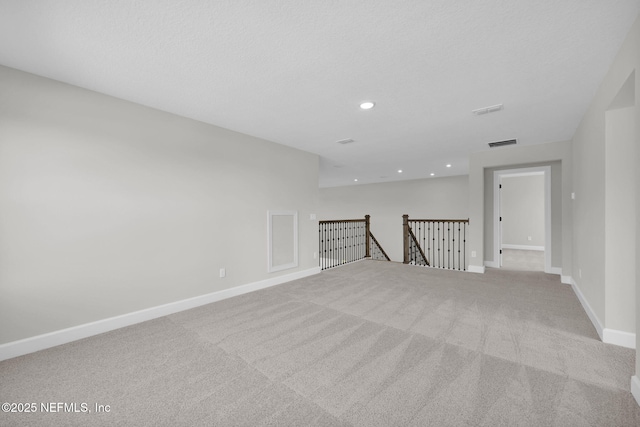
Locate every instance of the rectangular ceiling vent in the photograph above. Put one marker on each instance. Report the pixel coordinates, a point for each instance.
(502, 143)
(345, 141)
(487, 110)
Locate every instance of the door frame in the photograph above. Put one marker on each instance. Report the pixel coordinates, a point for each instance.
(497, 227)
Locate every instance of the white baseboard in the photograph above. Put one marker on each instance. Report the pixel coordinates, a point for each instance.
(607, 335)
(635, 388)
(492, 264)
(567, 280)
(63, 336)
(621, 338)
(556, 270)
(587, 308)
(523, 247)
(476, 269)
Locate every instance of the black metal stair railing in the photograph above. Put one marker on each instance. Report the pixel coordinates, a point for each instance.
(342, 242)
(439, 243)
(377, 253)
(347, 240)
(416, 254)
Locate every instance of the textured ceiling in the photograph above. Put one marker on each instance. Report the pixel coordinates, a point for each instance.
(294, 72)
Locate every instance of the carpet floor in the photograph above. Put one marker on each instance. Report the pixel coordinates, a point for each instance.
(368, 344)
(524, 260)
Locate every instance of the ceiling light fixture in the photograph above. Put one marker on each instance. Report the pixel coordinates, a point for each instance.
(355, 180)
(433, 174)
(345, 141)
(449, 165)
(367, 105)
(399, 170)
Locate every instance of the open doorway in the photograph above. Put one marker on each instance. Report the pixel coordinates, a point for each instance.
(522, 219)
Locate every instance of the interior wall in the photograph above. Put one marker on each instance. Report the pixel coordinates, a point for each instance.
(560, 194)
(592, 180)
(637, 221)
(522, 210)
(440, 198)
(620, 220)
(110, 207)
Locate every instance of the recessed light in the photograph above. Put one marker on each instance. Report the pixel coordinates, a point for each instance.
(367, 105)
(433, 174)
(355, 180)
(449, 165)
(399, 170)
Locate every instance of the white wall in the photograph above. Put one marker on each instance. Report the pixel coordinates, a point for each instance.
(108, 207)
(440, 198)
(603, 188)
(636, 377)
(620, 225)
(482, 164)
(522, 210)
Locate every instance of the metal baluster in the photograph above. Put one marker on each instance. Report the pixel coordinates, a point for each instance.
(360, 248)
(348, 242)
(336, 238)
(448, 245)
(459, 245)
(352, 236)
(442, 262)
(323, 247)
(464, 253)
(340, 243)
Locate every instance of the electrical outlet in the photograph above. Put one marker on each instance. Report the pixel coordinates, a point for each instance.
(223, 272)
(529, 238)
(580, 273)
(473, 254)
(315, 255)
(312, 216)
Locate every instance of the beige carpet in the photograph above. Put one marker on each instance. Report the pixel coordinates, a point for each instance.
(368, 344)
(522, 260)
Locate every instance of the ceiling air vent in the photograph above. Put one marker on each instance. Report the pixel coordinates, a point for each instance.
(501, 143)
(487, 110)
(345, 141)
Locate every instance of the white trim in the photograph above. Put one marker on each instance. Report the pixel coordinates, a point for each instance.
(497, 257)
(567, 280)
(63, 336)
(497, 175)
(607, 335)
(294, 263)
(587, 308)
(556, 270)
(621, 338)
(523, 247)
(532, 173)
(491, 264)
(635, 388)
(476, 269)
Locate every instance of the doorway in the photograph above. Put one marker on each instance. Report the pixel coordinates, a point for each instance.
(522, 219)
